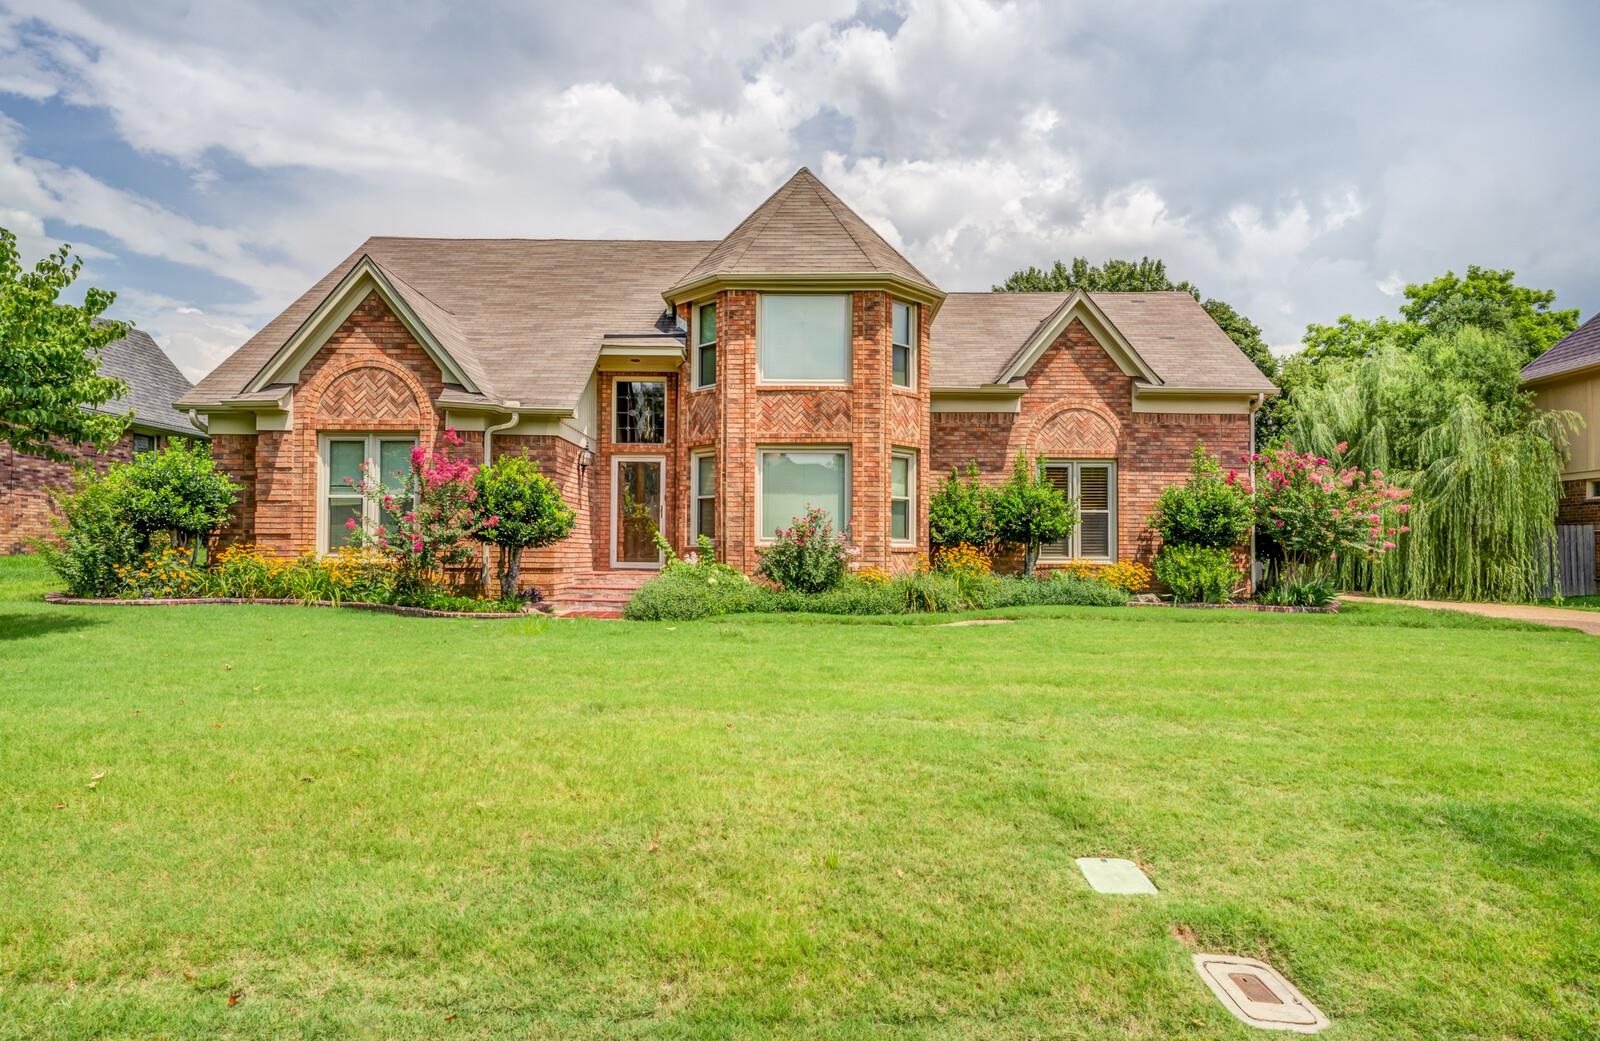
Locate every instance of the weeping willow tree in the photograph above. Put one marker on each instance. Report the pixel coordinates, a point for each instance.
(1446, 419)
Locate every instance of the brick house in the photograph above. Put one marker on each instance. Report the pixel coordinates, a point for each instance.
(154, 384)
(1567, 376)
(716, 387)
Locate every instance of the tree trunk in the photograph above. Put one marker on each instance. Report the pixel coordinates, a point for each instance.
(1030, 553)
(483, 567)
(511, 570)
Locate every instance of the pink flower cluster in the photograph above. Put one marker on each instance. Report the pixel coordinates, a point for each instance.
(1315, 509)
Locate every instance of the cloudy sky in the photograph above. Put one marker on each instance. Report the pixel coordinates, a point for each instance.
(210, 160)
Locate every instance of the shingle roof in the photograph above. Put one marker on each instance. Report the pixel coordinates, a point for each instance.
(803, 229)
(977, 334)
(1579, 349)
(154, 383)
(523, 317)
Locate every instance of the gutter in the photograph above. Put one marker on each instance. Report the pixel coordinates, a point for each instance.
(1255, 407)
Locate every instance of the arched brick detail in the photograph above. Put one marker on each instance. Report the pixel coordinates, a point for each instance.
(368, 393)
(1079, 431)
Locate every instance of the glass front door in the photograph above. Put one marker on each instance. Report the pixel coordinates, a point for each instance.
(636, 512)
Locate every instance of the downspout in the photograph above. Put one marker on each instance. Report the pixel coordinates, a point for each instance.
(194, 421)
(489, 431)
(1255, 407)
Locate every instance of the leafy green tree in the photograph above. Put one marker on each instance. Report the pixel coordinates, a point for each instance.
(178, 490)
(50, 357)
(1491, 300)
(519, 508)
(961, 510)
(1213, 509)
(1030, 511)
(1141, 276)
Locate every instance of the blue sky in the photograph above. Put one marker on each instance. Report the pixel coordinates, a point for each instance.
(210, 161)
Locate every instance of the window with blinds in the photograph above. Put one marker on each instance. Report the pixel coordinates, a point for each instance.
(1094, 486)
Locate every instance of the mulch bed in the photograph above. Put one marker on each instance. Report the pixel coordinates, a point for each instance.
(413, 612)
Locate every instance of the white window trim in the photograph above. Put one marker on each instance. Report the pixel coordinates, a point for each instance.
(616, 413)
(1077, 531)
(911, 360)
(849, 348)
(911, 497)
(616, 525)
(694, 493)
(371, 453)
(695, 345)
(763, 539)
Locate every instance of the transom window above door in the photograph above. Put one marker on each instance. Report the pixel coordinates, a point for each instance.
(805, 338)
(1094, 485)
(641, 411)
(344, 461)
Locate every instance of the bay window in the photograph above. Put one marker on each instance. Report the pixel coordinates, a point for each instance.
(343, 462)
(791, 480)
(805, 338)
(1094, 486)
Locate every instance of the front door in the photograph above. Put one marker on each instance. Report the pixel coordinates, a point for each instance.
(636, 511)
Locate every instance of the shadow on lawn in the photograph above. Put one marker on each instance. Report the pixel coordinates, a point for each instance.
(23, 627)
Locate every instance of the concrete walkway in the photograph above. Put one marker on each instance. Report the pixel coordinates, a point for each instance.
(1559, 617)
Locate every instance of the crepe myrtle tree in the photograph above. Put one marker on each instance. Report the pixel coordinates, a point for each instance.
(1030, 511)
(519, 508)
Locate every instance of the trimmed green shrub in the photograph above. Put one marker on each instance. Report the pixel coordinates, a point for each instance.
(1058, 590)
(177, 490)
(518, 508)
(961, 510)
(1198, 574)
(93, 538)
(808, 557)
(1211, 510)
(1030, 511)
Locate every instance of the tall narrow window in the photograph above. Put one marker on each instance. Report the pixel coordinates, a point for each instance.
(904, 339)
(705, 358)
(1094, 486)
(344, 461)
(641, 412)
(705, 496)
(902, 494)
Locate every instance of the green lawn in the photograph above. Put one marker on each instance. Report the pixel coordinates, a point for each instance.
(330, 824)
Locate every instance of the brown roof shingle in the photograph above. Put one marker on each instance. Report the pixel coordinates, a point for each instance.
(1579, 349)
(977, 334)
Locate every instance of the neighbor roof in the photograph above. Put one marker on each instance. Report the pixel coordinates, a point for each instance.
(1579, 349)
(154, 383)
(977, 335)
(522, 317)
(803, 229)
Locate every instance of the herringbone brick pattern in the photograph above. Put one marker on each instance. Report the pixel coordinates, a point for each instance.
(366, 394)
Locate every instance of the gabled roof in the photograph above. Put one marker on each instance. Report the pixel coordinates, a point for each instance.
(521, 318)
(979, 337)
(154, 383)
(1579, 349)
(802, 229)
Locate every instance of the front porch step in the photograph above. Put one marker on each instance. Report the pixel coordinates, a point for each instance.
(600, 594)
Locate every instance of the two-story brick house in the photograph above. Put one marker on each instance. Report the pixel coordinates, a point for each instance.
(717, 387)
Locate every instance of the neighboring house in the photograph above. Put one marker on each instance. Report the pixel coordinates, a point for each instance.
(717, 387)
(154, 385)
(1567, 376)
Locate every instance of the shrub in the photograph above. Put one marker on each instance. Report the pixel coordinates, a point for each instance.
(690, 592)
(177, 490)
(1198, 573)
(161, 571)
(1314, 511)
(519, 508)
(874, 576)
(1211, 510)
(433, 522)
(1030, 511)
(1130, 576)
(961, 559)
(93, 537)
(1058, 590)
(808, 557)
(961, 511)
(1314, 591)
(351, 573)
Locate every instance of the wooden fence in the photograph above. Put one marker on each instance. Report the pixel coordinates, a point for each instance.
(1572, 560)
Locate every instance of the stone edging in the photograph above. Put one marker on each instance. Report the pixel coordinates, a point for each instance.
(1332, 608)
(411, 612)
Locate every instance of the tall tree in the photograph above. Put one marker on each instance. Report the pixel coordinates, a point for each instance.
(50, 356)
(1144, 275)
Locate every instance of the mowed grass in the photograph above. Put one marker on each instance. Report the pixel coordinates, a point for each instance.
(332, 824)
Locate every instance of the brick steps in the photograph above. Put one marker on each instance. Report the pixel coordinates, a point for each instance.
(600, 594)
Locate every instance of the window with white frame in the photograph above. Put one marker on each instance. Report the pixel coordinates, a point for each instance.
(705, 339)
(902, 497)
(703, 479)
(344, 460)
(804, 338)
(903, 362)
(1594, 489)
(641, 412)
(1094, 485)
(791, 480)
(145, 443)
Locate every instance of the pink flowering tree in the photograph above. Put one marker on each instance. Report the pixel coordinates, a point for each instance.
(429, 521)
(1317, 511)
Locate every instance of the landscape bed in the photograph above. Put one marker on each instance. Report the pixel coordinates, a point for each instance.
(249, 822)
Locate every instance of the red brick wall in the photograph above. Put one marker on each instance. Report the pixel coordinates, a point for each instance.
(26, 512)
(1577, 508)
(1079, 405)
